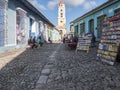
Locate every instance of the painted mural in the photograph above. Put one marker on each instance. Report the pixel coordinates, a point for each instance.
(20, 27)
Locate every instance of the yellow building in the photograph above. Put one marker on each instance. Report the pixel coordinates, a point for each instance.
(61, 18)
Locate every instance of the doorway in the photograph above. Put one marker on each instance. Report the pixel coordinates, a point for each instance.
(31, 31)
(91, 26)
(82, 28)
(100, 21)
(20, 26)
(76, 30)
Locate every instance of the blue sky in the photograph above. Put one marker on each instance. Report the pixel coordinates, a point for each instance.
(74, 8)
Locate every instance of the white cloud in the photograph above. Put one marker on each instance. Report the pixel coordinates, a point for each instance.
(86, 4)
(74, 2)
(51, 4)
(38, 4)
(90, 4)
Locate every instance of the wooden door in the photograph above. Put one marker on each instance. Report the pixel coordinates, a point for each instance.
(100, 21)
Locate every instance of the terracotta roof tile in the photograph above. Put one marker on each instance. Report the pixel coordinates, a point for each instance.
(61, 2)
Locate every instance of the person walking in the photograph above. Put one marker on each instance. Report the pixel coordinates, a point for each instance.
(64, 40)
(40, 41)
(93, 40)
(30, 41)
(34, 43)
(49, 40)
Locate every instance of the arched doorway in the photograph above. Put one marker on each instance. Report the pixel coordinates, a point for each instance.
(20, 26)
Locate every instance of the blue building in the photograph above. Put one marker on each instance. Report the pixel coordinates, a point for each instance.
(92, 21)
(19, 20)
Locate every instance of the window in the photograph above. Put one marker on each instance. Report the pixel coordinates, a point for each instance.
(61, 14)
(82, 28)
(117, 11)
(61, 10)
(61, 21)
(61, 32)
(91, 26)
(76, 30)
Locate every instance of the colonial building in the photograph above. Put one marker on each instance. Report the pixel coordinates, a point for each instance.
(92, 22)
(61, 18)
(56, 36)
(19, 20)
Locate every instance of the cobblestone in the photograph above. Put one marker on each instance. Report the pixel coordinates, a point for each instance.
(45, 72)
(81, 71)
(22, 72)
(66, 70)
(42, 80)
(48, 66)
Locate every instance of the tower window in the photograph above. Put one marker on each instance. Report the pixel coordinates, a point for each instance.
(61, 21)
(61, 10)
(61, 14)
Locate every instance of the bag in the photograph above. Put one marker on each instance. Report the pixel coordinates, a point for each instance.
(38, 41)
(31, 44)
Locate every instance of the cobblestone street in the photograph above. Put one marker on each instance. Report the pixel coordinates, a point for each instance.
(54, 67)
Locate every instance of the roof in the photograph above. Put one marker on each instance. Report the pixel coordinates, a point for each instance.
(34, 9)
(61, 2)
(57, 29)
(106, 4)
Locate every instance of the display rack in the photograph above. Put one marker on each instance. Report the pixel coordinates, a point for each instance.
(110, 40)
(84, 43)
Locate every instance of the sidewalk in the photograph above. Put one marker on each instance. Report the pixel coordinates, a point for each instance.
(23, 71)
(6, 57)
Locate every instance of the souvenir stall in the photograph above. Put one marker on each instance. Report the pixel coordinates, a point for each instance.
(110, 41)
(84, 42)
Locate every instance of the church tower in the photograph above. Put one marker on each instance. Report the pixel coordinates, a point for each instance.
(61, 18)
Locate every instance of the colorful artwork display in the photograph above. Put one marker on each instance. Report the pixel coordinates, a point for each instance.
(109, 46)
(84, 43)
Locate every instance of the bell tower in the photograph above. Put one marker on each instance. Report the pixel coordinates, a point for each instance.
(61, 18)
(61, 14)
